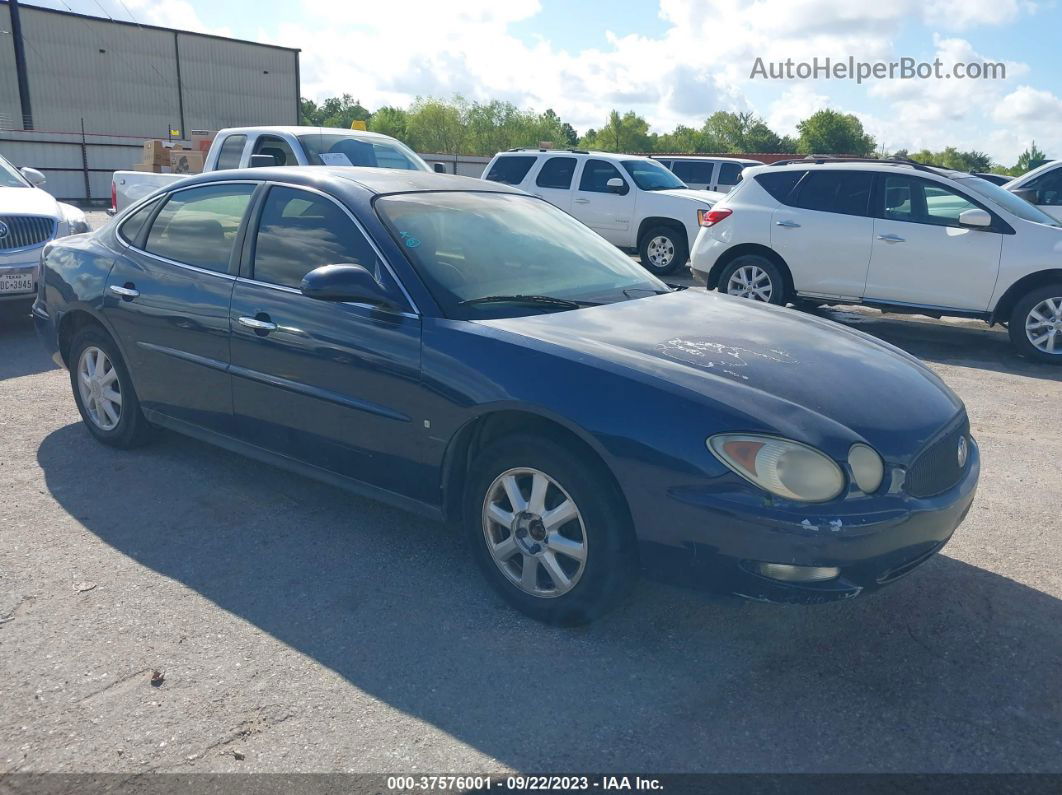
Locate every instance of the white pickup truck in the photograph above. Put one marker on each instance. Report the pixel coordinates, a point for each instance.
(250, 147)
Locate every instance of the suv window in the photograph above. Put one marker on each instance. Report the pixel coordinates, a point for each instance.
(300, 231)
(922, 202)
(845, 192)
(780, 183)
(511, 169)
(198, 226)
(133, 225)
(231, 150)
(693, 171)
(730, 173)
(596, 174)
(557, 172)
(1048, 188)
(278, 147)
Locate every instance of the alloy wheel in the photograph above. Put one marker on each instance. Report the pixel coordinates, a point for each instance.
(101, 392)
(750, 281)
(1043, 326)
(661, 251)
(534, 532)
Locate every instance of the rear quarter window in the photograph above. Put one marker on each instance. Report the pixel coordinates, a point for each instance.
(511, 169)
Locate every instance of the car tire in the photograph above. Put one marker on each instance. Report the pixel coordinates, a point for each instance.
(103, 391)
(754, 277)
(663, 249)
(1038, 316)
(583, 563)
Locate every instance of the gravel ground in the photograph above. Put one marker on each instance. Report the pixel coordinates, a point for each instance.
(179, 608)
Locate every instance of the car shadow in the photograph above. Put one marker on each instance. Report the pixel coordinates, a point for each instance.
(953, 669)
(20, 352)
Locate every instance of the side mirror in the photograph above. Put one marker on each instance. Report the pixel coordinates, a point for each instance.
(976, 217)
(440, 168)
(616, 185)
(1031, 196)
(344, 283)
(36, 178)
(262, 161)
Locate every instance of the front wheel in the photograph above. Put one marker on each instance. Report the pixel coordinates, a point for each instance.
(549, 530)
(1035, 325)
(663, 249)
(754, 277)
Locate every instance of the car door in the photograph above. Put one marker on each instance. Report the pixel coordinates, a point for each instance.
(922, 254)
(330, 384)
(1048, 189)
(823, 231)
(698, 174)
(728, 177)
(168, 300)
(553, 182)
(606, 210)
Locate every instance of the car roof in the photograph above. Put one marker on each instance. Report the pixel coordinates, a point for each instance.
(867, 164)
(712, 158)
(531, 151)
(373, 180)
(297, 130)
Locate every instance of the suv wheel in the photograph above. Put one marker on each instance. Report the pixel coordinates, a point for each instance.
(754, 277)
(663, 249)
(548, 530)
(104, 391)
(1036, 324)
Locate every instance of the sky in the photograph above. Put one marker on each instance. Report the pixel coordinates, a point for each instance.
(671, 61)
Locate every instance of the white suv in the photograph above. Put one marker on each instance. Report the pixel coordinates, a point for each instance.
(720, 174)
(633, 202)
(1043, 187)
(891, 234)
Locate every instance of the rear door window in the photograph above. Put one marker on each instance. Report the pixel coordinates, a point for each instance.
(844, 192)
(131, 227)
(198, 226)
(511, 169)
(231, 151)
(780, 184)
(557, 172)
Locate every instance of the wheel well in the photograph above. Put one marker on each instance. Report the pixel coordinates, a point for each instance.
(742, 250)
(1026, 284)
(671, 223)
(69, 325)
(483, 431)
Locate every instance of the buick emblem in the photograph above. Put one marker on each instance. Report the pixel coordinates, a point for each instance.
(4, 231)
(963, 451)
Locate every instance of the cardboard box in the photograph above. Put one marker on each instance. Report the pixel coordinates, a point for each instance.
(186, 161)
(156, 152)
(202, 139)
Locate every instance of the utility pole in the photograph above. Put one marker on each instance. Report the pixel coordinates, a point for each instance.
(20, 66)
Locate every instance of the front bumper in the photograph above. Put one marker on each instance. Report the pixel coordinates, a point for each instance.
(873, 541)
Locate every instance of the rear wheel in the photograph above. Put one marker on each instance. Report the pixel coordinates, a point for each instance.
(1036, 324)
(663, 249)
(104, 391)
(754, 277)
(549, 530)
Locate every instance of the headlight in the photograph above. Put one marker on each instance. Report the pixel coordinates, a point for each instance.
(783, 467)
(867, 468)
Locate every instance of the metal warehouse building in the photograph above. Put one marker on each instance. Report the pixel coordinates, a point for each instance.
(80, 94)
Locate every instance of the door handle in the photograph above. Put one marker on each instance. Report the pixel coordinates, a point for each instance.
(891, 238)
(787, 224)
(258, 325)
(127, 292)
(582, 201)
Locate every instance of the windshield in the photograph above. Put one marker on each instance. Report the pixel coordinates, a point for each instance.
(349, 149)
(468, 246)
(649, 175)
(1007, 200)
(10, 177)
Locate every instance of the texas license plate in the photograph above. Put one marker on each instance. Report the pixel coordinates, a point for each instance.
(16, 282)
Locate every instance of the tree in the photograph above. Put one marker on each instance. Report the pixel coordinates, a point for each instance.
(626, 133)
(436, 126)
(1031, 158)
(333, 112)
(391, 121)
(724, 131)
(829, 132)
(568, 136)
(684, 140)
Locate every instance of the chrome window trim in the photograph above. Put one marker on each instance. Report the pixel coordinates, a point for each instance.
(285, 289)
(360, 228)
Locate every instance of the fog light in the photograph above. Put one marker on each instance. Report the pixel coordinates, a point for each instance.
(783, 571)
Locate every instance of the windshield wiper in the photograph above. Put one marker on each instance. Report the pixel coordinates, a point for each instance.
(544, 300)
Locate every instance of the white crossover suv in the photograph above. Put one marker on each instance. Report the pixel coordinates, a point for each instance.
(895, 235)
(633, 202)
(29, 218)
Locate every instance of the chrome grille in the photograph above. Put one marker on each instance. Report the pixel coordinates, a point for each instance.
(937, 467)
(25, 231)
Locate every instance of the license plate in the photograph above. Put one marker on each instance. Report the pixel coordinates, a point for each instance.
(16, 282)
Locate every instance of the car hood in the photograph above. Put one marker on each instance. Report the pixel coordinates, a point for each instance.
(800, 375)
(708, 197)
(27, 201)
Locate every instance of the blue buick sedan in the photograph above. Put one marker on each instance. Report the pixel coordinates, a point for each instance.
(464, 350)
